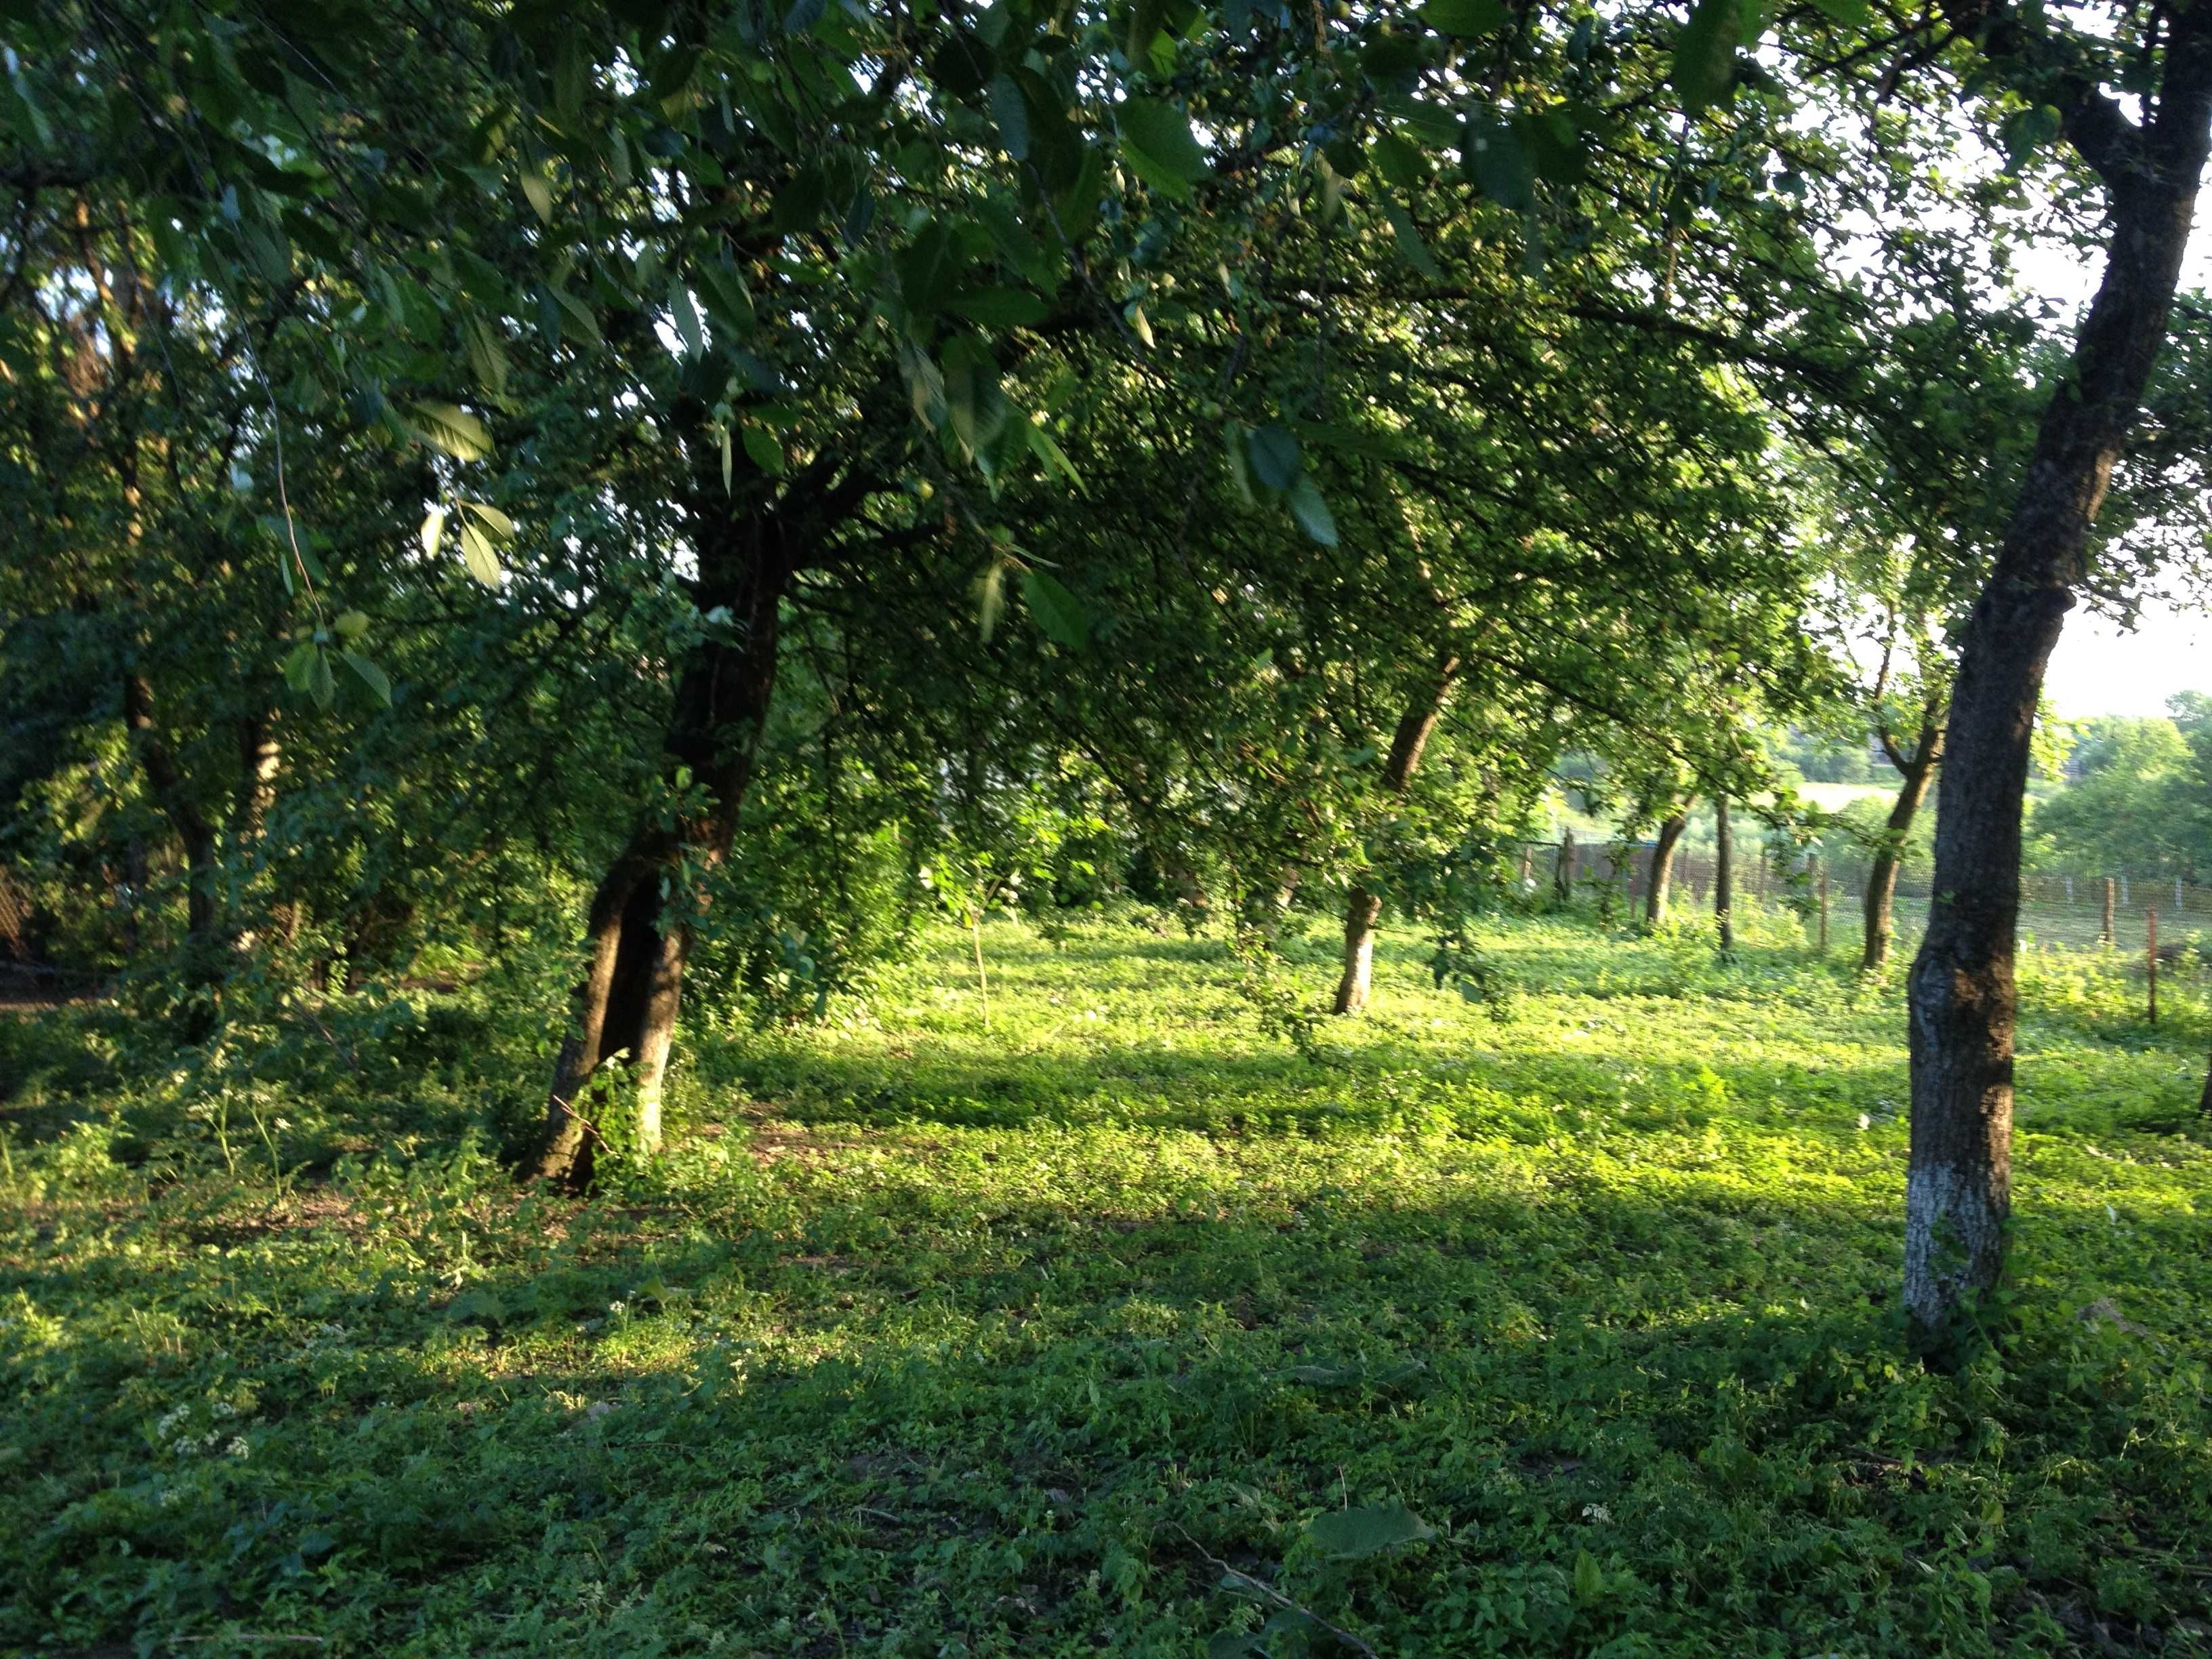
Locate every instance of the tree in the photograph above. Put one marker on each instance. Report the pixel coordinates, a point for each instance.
(1962, 990)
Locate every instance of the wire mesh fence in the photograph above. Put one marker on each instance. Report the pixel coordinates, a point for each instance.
(2120, 908)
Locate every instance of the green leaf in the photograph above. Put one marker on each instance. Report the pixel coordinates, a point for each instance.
(1058, 612)
(1411, 247)
(686, 313)
(370, 676)
(1399, 163)
(477, 553)
(1493, 154)
(299, 666)
(990, 598)
(1355, 1534)
(454, 430)
(434, 526)
(1023, 252)
(761, 446)
(492, 516)
(1466, 18)
(322, 685)
(1012, 115)
(1311, 512)
(487, 355)
(1432, 123)
(350, 624)
(537, 191)
(1274, 456)
(728, 302)
(582, 314)
(1589, 1581)
(1705, 54)
(1240, 468)
(1157, 143)
(1003, 307)
(1055, 457)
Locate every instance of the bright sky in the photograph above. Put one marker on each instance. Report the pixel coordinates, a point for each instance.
(2098, 669)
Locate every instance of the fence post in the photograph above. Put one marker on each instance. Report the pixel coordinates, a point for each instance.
(2150, 951)
(1824, 906)
(2105, 937)
(1563, 871)
(2070, 890)
(1723, 874)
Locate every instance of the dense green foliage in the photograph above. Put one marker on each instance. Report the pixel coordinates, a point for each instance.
(2142, 799)
(693, 697)
(1568, 1333)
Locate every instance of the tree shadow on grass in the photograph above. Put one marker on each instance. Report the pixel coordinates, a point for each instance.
(1009, 1410)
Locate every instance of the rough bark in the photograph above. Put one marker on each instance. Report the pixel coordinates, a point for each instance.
(1962, 996)
(1724, 873)
(1661, 886)
(1364, 908)
(1918, 770)
(639, 927)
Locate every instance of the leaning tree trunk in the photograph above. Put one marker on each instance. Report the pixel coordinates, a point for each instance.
(639, 930)
(1919, 770)
(1364, 908)
(1661, 886)
(1962, 996)
(1723, 874)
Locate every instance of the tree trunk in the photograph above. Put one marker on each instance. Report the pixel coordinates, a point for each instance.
(1364, 908)
(1723, 876)
(1360, 917)
(1962, 994)
(203, 921)
(1662, 885)
(1919, 770)
(260, 757)
(638, 928)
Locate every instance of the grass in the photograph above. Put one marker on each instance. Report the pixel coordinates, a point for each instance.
(1118, 1326)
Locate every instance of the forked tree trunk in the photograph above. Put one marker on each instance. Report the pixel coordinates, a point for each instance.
(1723, 874)
(1662, 885)
(1365, 908)
(1919, 770)
(639, 928)
(1962, 996)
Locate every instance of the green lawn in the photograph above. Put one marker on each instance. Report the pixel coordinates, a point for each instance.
(1117, 1326)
